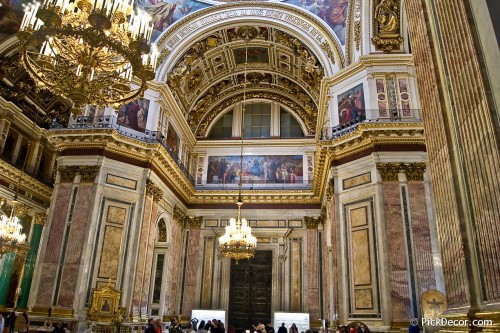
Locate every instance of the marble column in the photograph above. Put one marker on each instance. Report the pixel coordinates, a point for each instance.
(145, 254)
(22, 302)
(331, 265)
(4, 130)
(193, 260)
(396, 243)
(5, 273)
(312, 267)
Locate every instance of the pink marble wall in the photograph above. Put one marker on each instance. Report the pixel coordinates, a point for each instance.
(421, 238)
(193, 259)
(312, 269)
(52, 251)
(78, 232)
(396, 252)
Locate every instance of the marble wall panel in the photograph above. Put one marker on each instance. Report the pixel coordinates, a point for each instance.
(193, 259)
(58, 223)
(110, 255)
(360, 249)
(207, 272)
(295, 275)
(174, 265)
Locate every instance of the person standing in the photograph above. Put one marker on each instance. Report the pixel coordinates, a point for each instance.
(269, 328)
(11, 320)
(282, 329)
(151, 326)
(174, 326)
(294, 329)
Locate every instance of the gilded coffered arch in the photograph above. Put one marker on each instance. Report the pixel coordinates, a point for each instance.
(283, 51)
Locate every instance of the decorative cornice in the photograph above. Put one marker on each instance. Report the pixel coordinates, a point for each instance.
(14, 175)
(87, 173)
(40, 219)
(153, 191)
(312, 222)
(414, 171)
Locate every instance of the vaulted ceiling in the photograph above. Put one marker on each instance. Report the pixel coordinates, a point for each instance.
(209, 77)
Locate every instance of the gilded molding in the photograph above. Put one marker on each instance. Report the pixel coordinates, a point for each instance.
(153, 191)
(312, 222)
(13, 175)
(40, 219)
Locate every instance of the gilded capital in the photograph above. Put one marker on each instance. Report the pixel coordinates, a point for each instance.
(414, 171)
(87, 173)
(40, 218)
(330, 189)
(179, 215)
(20, 209)
(153, 191)
(67, 173)
(195, 222)
(312, 222)
(389, 171)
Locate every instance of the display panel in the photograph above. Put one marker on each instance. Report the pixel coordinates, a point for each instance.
(208, 315)
(300, 319)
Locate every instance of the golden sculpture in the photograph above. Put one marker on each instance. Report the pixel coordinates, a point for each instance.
(387, 27)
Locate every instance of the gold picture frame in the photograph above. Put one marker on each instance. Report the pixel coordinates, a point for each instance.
(105, 305)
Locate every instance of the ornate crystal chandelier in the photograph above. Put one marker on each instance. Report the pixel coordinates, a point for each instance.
(10, 233)
(238, 242)
(89, 51)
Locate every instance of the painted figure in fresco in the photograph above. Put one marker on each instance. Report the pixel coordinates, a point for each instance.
(162, 13)
(105, 306)
(335, 14)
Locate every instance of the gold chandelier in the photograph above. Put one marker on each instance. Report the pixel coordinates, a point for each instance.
(88, 51)
(11, 236)
(238, 242)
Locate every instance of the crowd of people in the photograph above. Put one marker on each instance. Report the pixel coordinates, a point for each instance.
(14, 322)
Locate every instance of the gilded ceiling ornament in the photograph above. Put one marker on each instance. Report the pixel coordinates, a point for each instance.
(153, 190)
(387, 28)
(312, 222)
(247, 32)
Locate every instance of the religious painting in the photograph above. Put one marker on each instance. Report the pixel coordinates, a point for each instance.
(134, 115)
(165, 13)
(333, 12)
(11, 15)
(106, 304)
(255, 55)
(173, 141)
(264, 169)
(351, 105)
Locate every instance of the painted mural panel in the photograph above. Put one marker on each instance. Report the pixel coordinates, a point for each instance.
(256, 169)
(351, 104)
(173, 140)
(255, 54)
(134, 115)
(333, 12)
(11, 15)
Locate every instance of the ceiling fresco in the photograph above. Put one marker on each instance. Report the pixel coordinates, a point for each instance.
(279, 67)
(333, 12)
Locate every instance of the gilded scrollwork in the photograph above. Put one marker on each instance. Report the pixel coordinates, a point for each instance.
(40, 218)
(21, 209)
(312, 222)
(195, 222)
(413, 171)
(179, 214)
(387, 25)
(87, 173)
